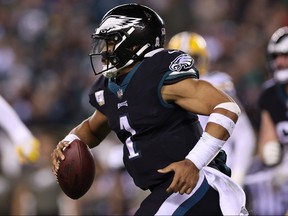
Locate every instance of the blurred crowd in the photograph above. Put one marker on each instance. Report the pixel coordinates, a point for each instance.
(45, 74)
(45, 71)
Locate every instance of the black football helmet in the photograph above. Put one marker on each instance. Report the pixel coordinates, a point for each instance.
(133, 30)
(278, 45)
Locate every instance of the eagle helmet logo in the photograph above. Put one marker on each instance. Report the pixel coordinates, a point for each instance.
(117, 22)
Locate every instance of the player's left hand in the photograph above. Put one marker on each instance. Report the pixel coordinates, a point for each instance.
(272, 153)
(185, 177)
(28, 152)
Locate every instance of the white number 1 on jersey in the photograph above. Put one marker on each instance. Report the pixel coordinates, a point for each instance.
(124, 125)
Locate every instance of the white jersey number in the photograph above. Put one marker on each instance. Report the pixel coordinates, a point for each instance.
(124, 125)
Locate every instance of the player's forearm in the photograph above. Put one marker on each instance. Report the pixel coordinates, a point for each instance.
(88, 136)
(219, 127)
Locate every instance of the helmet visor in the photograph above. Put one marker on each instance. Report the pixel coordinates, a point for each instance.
(98, 46)
(102, 56)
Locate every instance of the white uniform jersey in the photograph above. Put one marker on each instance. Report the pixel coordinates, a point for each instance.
(26, 145)
(13, 125)
(241, 145)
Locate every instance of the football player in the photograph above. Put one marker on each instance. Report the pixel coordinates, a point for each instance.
(268, 185)
(239, 150)
(26, 144)
(144, 96)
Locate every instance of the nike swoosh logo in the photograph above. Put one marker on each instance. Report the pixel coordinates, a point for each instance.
(170, 52)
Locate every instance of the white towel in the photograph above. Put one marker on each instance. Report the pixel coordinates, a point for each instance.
(232, 196)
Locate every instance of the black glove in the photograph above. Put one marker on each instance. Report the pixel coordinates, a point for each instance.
(219, 163)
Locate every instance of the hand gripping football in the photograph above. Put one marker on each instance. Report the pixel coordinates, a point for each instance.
(76, 173)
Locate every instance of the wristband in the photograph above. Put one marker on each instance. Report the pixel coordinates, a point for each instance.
(70, 137)
(205, 150)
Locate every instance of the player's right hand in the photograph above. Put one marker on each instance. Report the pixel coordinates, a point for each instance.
(185, 178)
(57, 155)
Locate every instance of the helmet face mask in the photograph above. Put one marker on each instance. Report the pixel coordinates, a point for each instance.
(132, 30)
(102, 55)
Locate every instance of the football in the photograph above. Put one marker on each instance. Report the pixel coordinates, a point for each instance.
(77, 171)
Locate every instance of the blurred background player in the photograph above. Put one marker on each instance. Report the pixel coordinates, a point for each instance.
(241, 145)
(269, 173)
(18, 146)
(26, 144)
